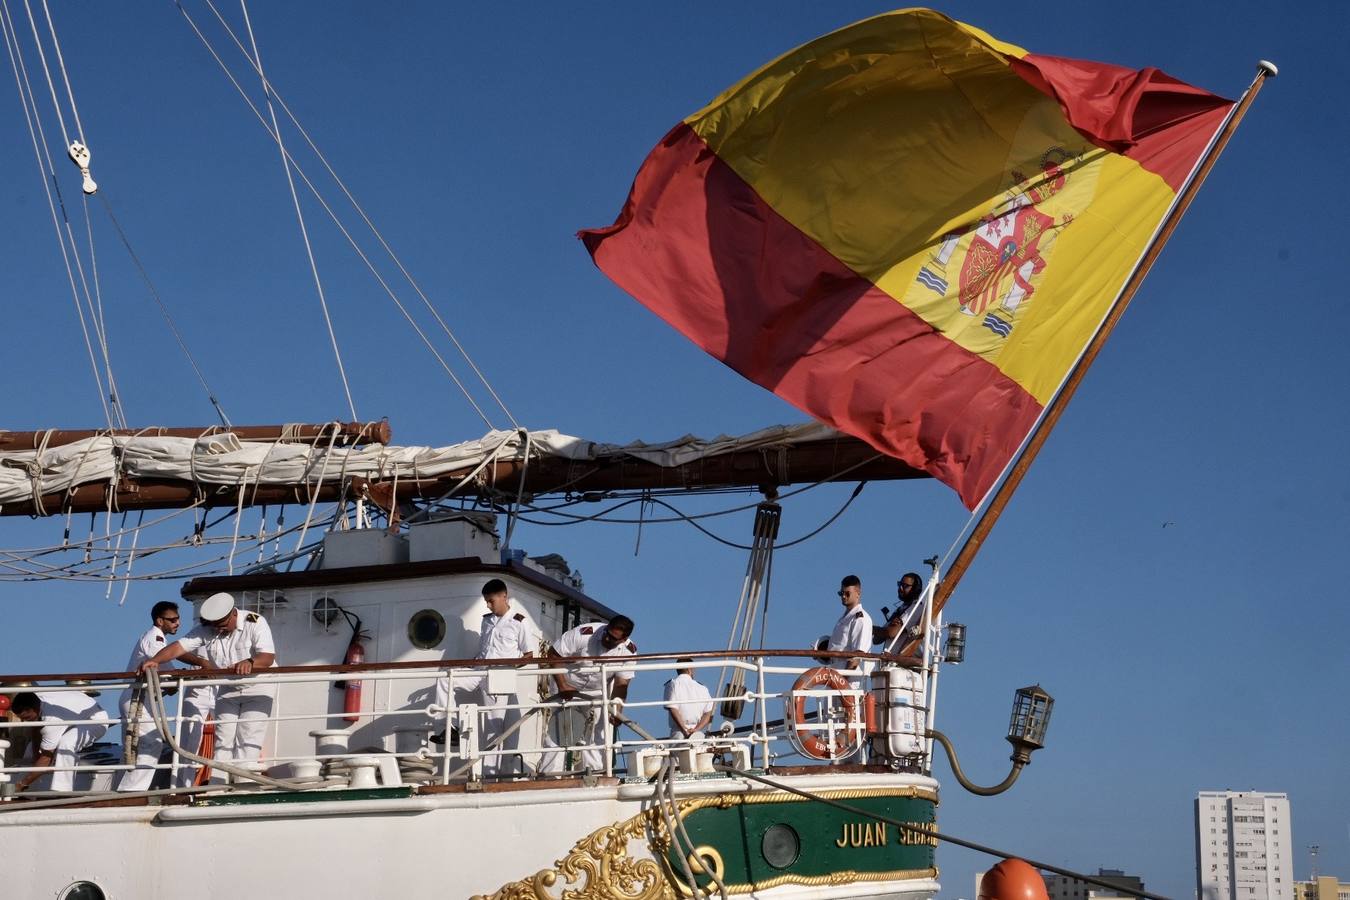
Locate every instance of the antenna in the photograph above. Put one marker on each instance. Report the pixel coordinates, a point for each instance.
(1313, 850)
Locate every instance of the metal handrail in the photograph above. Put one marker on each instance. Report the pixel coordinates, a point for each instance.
(762, 736)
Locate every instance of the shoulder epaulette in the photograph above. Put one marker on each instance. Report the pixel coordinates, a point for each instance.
(160, 638)
(485, 615)
(858, 614)
(589, 629)
(632, 647)
(251, 617)
(519, 617)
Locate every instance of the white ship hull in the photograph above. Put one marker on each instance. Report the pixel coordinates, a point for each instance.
(507, 843)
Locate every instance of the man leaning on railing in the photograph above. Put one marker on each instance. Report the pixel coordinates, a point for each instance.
(242, 643)
(595, 642)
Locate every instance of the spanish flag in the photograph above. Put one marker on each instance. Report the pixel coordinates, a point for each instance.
(909, 229)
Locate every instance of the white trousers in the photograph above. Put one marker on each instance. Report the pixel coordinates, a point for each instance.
(241, 726)
(573, 720)
(68, 747)
(149, 745)
(493, 715)
(199, 703)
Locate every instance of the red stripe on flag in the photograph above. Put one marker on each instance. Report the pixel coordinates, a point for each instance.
(1146, 115)
(698, 247)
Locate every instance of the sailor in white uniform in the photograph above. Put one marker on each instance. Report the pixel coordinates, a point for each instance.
(71, 721)
(591, 641)
(503, 634)
(229, 638)
(149, 743)
(688, 704)
(853, 632)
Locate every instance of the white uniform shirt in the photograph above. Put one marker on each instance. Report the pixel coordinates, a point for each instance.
(505, 637)
(150, 643)
(853, 632)
(687, 699)
(221, 651)
(585, 640)
(59, 708)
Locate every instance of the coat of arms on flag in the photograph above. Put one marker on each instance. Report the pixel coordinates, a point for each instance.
(990, 270)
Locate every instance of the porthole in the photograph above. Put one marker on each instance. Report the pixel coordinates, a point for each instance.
(83, 890)
(426, 629)
(325, 611)
(780, 846)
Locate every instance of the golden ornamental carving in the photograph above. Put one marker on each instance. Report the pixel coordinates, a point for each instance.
(599, 867)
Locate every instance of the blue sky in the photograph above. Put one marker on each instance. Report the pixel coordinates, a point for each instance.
(1207, 655)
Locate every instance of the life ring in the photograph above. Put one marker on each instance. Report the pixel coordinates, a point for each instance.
(809, 739)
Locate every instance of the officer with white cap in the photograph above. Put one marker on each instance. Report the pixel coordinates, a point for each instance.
(229, 638)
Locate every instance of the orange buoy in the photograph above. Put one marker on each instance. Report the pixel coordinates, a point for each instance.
(1013, 879)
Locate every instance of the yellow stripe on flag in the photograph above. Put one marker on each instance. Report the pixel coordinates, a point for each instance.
(981, 219)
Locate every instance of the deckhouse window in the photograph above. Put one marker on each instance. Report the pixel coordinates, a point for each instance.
(83, 890)
(426, 629)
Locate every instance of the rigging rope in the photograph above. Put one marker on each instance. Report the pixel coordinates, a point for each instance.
(50, 186)
(768, 517)
(164, 310)
(360, 210)
(300, 215)
(933, 833)
(351, 241)
(95, 307)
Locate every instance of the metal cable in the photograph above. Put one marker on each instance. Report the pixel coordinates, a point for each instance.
(338, 223)
(935, 834)
(49, 184)
(371, 225)
(300, 218)
(164, 310)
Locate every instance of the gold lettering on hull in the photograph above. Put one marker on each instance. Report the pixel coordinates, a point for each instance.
(918, 838)
(862, 834)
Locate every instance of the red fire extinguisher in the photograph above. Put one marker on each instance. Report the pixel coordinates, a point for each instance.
(356, 654)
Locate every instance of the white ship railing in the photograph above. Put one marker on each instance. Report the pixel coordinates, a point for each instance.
(765, 740)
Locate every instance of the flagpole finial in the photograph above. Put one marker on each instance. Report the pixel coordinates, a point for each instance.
(1268, 67)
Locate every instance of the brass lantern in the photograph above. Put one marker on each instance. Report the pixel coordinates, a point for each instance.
(1030, 719)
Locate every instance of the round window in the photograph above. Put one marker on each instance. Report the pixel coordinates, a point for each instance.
(325, 611)
(781, 846)
(83, 890)
(426, 629)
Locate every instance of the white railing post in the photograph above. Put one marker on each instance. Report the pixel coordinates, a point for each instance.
(604, 721)
(180, 697)
(468, 739)
(763, 703)
(930, 672)
(449, 714)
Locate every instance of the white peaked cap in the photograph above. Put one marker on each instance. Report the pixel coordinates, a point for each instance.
(216, 607)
